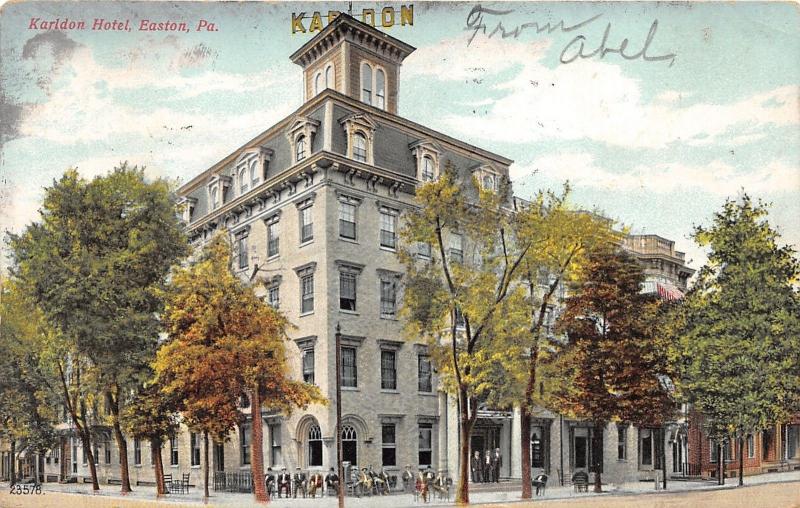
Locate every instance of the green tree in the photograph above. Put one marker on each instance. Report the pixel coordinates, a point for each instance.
(737, 333)
(463, 301)
(563, 238)
(616, 365)
(153, 416)
(225, 341)
(92, 265)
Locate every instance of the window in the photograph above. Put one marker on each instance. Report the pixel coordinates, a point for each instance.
(241, 247)
(388, 445)
(274, 297)
(459, 317)
(214, 198)
(489, 182)
(646, 447)
(380, 89)
(456, 248)
(317, 83)
(388, 299)
(359, 147)
(173, 451)
(388, 229)
(273, 239)
(243, 181)
(306, 225)
(56, 455)
(347, 291)
(751, 446)
(424, 378)
(537, 447)
(388, 370)
(300, 149)
(107, 450)
(424, 250)
(349, 367)
(347, 221)
(622, 442)
(137, 451)
(195, 444)
(244, 444)
(314, 446)
(275, 444)
(153, 455)
(792, 441)
(308, 366)
(349, 444)
(427, 169)
(366, 83)
(219, 457)
(254, 176)
(329, 83)
(425, 440)
(85, 460)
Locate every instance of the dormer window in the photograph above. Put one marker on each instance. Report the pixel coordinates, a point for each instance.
(380, 89)
(359, 147)
(243, 181)
(427, 154)
(216, 190)
(488, 177)
(214, 198)
(300, 148)
(366, 83)
(489, 182)
(427, 169)
(248, 172)
(254, 176)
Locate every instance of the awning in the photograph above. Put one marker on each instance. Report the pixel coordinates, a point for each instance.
(484, 413)
(668, 291)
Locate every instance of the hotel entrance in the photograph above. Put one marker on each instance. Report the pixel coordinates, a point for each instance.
(492, 430)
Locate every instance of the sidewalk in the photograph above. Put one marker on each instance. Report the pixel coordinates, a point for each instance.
(509, 494)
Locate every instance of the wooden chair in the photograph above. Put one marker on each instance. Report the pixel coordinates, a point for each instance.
(540, 483)
(580, 481)
(168, 483)
(185, 483)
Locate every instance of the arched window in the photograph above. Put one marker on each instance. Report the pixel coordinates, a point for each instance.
(488, 182)
(300, 149)
(214, 198)
(359, 147)
(314, 446)
(427, 169)
(349, 444)
(366, 83)
(329, 77)
(243, 182)
(380, 89)
(254, 176)
(317, 83)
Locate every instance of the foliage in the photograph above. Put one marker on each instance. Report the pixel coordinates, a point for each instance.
(737, 334)
(481, 362)
(224, 342)
(616, 362)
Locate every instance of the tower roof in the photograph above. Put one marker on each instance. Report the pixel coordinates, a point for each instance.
(347, 27)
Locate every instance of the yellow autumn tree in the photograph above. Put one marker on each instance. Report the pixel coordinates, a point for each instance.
(224, 342)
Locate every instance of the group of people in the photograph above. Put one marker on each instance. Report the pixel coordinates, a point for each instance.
(486, 468)
(425, 483)
(297, 482)
(368, 481)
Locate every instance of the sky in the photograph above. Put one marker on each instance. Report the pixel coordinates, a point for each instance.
(700, 105)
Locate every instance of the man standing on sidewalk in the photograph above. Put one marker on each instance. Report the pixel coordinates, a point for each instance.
(475, 466)
(496, 463)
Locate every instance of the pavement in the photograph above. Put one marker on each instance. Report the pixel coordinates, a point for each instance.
(504, 493)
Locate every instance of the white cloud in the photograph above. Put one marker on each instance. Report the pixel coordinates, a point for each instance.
(588, 100)
(716, 178)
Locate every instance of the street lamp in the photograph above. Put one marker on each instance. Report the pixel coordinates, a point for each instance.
(342, 482)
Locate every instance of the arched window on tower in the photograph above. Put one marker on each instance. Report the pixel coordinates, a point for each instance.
(329, 77)
(314, 446)
(317, 83)
(243, 181)
(349, 444)
(300, 149)
(380, 89)
(366, 83)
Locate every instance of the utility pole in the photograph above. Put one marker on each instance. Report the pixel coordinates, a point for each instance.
(340, 468)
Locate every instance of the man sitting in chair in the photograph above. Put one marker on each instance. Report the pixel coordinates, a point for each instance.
(440, 486)
(314, 484)
(284, 483)
(269, 480)
(540, 482)
(365, 481)
(408, 480)
(298, 482)
(332, 481)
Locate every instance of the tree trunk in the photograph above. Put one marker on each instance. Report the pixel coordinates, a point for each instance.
(87, 445)
(12, 466)
(257, 454)
(205, 464)
(122, 444)
(741, 461)
(467, 420)
(155, 450)
(664, 457)
(36, 468)
(525, 449)
(720, 465)
(598, 481)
